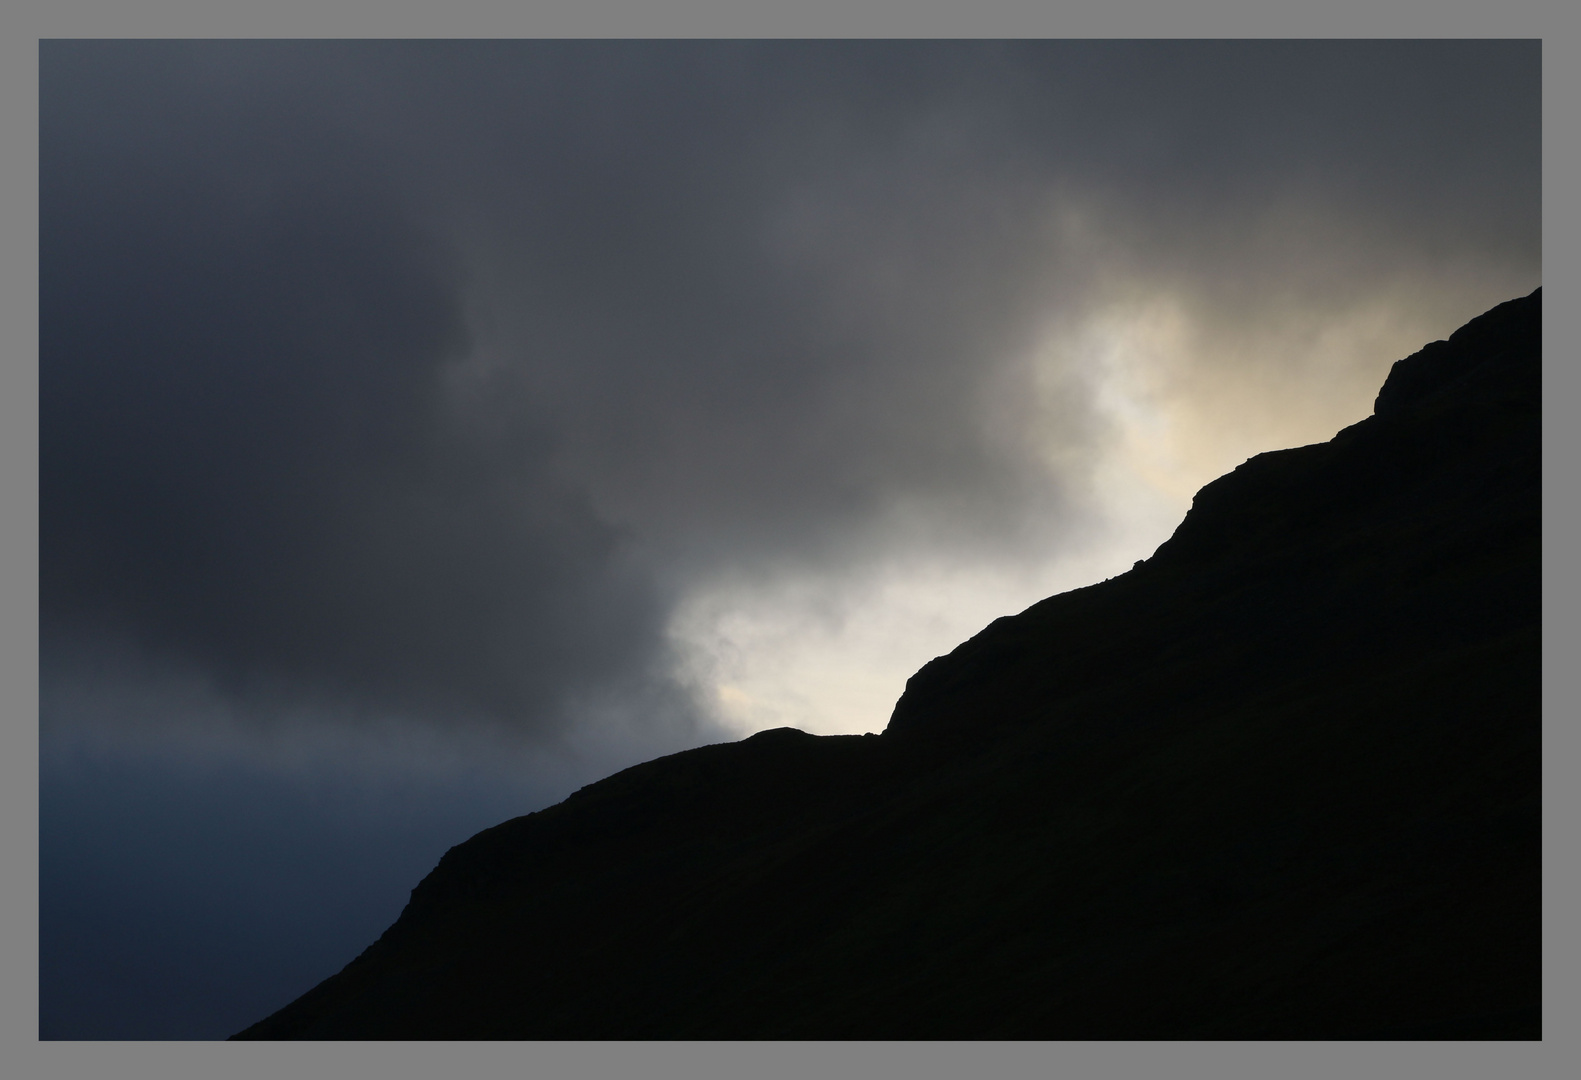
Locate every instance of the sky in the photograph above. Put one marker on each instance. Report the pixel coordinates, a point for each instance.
(427, 429)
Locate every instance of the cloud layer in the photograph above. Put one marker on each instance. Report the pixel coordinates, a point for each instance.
(440, 380)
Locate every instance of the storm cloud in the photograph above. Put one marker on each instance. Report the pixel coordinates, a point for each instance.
(436, 380)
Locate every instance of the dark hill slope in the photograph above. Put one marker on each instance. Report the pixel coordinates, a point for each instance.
(1279, 781)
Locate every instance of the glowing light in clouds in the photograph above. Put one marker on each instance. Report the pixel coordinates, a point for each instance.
(1186, 400)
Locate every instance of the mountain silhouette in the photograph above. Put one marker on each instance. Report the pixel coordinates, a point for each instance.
(1281, 780)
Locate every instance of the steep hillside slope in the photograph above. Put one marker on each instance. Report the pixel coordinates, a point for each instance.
(1281, 780)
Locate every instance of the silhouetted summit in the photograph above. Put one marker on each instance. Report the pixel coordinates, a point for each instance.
(1281, 780)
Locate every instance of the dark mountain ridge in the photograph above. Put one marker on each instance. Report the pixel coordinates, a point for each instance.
(1281, 780)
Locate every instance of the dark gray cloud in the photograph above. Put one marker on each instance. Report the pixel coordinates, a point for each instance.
(428, 378)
